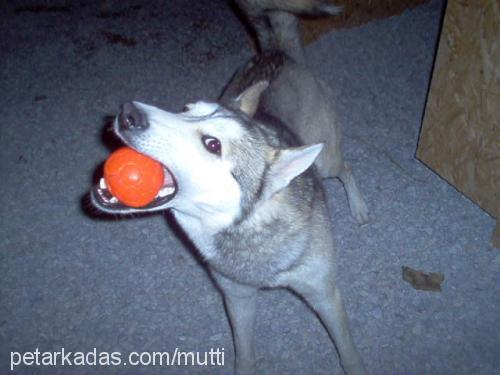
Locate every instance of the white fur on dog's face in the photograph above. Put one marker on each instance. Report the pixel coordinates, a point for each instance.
(205, 185)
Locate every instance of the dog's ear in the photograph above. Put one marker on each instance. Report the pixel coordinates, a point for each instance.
(248, 100)
(288, 164)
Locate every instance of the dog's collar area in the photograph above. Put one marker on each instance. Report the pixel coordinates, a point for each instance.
(105, 201)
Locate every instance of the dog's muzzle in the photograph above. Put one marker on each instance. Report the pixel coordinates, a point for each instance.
(131, 120)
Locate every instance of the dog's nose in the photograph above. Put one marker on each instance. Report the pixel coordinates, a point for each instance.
(131, 118)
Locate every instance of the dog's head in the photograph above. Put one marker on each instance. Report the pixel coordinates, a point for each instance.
(217, 162)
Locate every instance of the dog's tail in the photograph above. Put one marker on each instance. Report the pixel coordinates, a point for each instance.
(276, 24)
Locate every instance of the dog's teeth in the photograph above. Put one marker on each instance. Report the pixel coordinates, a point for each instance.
(102, 183)
(166, 191)
(113, 200)
(103, 196)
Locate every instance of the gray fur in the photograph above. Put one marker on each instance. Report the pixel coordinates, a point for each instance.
(263, 258)
(295, 95)
(276, 26)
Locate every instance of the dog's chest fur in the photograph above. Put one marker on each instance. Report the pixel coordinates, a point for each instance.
(272, 239)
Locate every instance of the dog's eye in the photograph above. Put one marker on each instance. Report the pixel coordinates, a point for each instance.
(212, 144)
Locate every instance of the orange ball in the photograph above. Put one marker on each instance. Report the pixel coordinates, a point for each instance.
(133, 178)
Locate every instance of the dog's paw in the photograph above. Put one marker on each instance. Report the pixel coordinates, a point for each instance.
(359, 210)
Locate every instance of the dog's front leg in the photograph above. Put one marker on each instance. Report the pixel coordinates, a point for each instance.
(324, 298)
(240, 303)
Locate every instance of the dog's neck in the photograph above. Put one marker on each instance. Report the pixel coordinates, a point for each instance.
(202, 226)
(215, 235)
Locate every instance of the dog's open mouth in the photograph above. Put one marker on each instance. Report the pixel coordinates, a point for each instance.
(105, 200)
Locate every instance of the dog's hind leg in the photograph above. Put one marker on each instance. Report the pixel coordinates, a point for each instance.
(330, 165)
(321, 294)
(240, 303)
(357, 203)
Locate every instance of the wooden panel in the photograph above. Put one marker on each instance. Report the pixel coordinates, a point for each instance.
(460, 137)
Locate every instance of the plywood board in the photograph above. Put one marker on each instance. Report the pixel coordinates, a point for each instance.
(460, 137)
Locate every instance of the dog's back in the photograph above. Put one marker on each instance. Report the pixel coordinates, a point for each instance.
(295, 95)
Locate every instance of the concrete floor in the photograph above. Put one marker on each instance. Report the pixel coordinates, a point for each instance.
(74, 280)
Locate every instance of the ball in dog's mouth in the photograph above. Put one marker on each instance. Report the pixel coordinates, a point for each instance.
(103, 199)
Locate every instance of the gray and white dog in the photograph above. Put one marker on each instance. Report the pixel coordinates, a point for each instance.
(244, 189)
